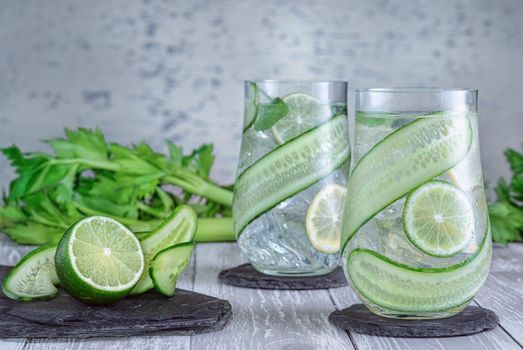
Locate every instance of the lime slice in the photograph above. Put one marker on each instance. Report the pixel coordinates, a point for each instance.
(323, 220)
(98, 260)
(305, 113)
(438, 219)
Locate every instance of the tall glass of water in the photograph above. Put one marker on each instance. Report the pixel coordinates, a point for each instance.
(292, 173)
(415, 237)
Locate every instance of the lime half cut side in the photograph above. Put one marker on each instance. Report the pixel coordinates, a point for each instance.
(323, 221)
(438, 219)
(99, 260)
(305, 113)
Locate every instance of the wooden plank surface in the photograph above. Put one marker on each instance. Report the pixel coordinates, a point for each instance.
(494, 339)
(264, 319)
(503, 291)
(10, 254)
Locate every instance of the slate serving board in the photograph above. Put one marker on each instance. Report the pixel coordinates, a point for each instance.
(186, 313)
(247, 276)
(359, 319)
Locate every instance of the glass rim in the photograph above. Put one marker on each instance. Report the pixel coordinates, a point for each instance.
(297, 81)
(391, 90)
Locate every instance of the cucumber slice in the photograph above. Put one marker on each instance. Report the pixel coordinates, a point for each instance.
(400, 287)
(179, 227)
(168, 265)
(141, 234)
(402, 161)
(254, 96)
(34, 277)
(289, 169)
(251, 105)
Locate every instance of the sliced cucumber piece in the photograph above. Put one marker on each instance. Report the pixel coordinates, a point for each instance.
(179, 227)
(254, 97)
(402, 161)
(141, 234)
(168, 265)
(400, 287)
(34, 277)
(289, 169)
(251, 105)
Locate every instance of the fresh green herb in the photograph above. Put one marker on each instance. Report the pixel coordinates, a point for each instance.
(85, 175)
(269, 113)
(506, 215)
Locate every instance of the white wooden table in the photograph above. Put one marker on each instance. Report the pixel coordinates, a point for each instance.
(264, 319)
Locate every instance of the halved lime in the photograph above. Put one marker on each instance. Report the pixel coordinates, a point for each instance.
(305, 112)
(438, 219)
(323, 220)
(98, 260)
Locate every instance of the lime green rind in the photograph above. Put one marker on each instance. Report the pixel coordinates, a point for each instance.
(289, 169)
(179, 227)
(168, 265)
(395, 286)
(76, 286)
(401, 162)
(44, 280)
(410, 235)
(82, 287)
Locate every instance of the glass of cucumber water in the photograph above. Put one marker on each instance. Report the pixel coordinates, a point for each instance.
(415, 236)
(292, 175)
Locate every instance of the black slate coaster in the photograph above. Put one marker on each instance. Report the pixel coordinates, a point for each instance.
(359, 319)
(186, 313)
(248, 277)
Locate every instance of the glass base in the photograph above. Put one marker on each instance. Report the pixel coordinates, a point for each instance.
(428, 315)
(294, 272)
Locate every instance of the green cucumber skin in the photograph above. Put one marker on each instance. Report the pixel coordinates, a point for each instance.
(151, 246)
(251, 117)
(334, 158)
(159, 274)
(355, 184)
(49, 249)
(284, 144)
(481, 257)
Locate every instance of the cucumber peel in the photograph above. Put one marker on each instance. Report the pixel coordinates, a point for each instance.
(168, 265)
(402, 161)
(396, 286)
(251, 105)
(34, 277)
(288, 169)
(179, 227)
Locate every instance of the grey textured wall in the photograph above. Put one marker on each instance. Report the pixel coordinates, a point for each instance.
(174, 69)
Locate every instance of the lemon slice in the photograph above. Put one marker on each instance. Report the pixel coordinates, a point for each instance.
(323, 220)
